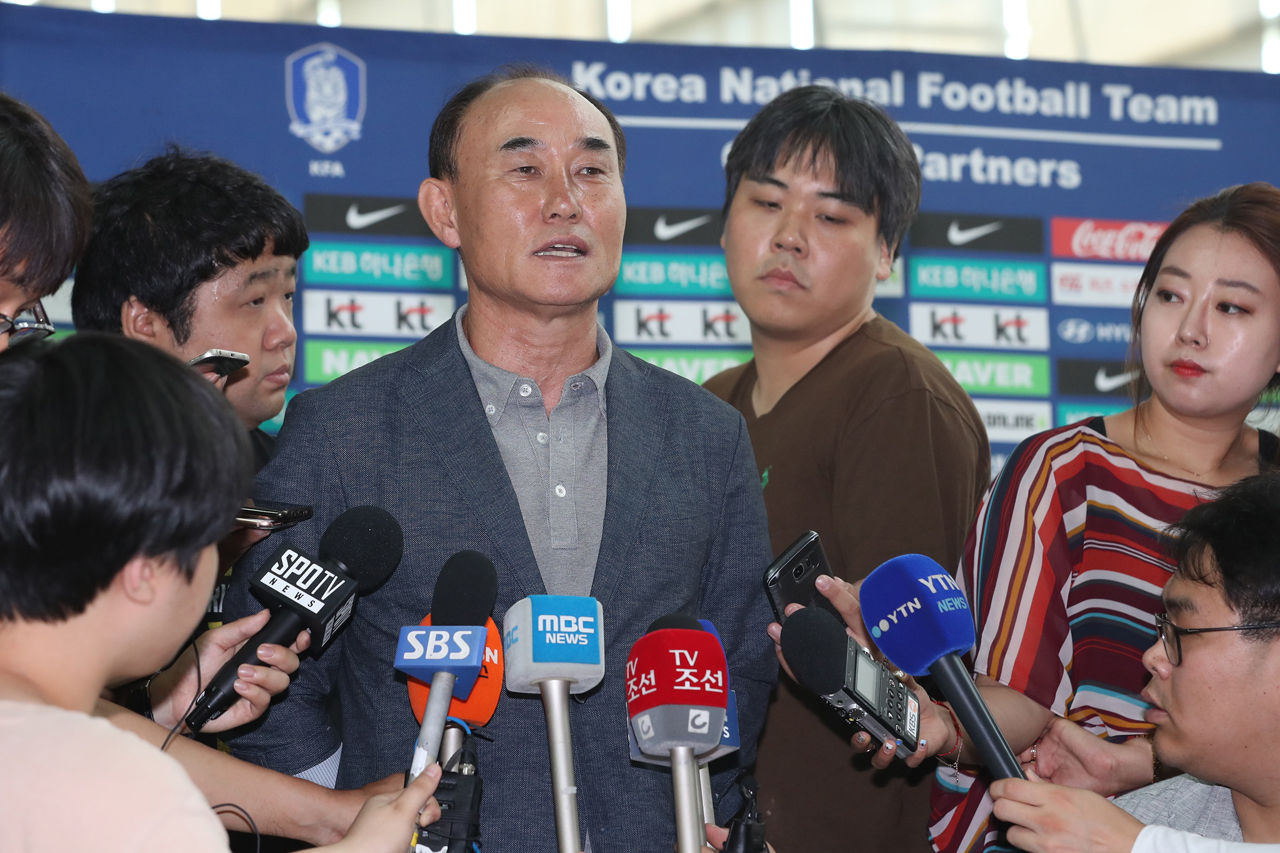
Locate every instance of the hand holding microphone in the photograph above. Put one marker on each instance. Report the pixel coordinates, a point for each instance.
(918, 616)
(358, 552)
(554, 645)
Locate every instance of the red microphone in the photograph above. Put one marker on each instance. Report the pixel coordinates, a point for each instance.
(677, 691)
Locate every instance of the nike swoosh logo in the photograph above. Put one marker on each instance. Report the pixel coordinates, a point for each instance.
(664, 231)
(357, 220)
(958, 236)
(1105, 383)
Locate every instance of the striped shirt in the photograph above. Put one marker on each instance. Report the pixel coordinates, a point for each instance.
(1064, 569)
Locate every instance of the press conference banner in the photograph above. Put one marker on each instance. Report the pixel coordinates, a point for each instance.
(1045, 184)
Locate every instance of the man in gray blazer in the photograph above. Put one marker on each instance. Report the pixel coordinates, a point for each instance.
(520, 431)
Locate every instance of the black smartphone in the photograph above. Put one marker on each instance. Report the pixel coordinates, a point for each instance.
(266, 515)
(219, 362)
(789, 579)
(877, 702)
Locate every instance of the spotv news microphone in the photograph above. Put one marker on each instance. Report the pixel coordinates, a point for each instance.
(677, 691)
(451, 653)
(554, 645)
(921, 620)
(829, 662)
(358, 552)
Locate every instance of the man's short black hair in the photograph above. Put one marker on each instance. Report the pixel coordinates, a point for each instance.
(1233, 542)
(109, 449)
(45, 207)
(442, 154)
(165, 228)
(876, 167)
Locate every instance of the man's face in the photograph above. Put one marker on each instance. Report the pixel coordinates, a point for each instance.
(803, 263)
(537, 209)
(1215, 712)
(248, 309)
(13, 301)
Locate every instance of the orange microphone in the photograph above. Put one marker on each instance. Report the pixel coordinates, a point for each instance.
(477, 709)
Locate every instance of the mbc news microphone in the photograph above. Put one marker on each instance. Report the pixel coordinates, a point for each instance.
(451, 654)
(554, 645)
(920, 619)
(358, 552)
(677, 692)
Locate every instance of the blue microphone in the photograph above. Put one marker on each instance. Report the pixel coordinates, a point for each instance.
(918, 616)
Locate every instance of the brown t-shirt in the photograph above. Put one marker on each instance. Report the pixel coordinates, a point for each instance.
(881, 452)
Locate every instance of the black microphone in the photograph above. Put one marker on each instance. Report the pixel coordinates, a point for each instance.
(358, 552)
(921, 620)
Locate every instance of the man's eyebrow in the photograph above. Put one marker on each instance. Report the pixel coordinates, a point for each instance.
(594, 143)
(255, 277)
(520, 143)
(1178, 604)
(834, 195)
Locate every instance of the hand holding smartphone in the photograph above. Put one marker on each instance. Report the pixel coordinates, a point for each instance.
(789, 579)
(267, 515)
(219, 362)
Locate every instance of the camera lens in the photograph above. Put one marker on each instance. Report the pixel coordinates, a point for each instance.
(797, 572)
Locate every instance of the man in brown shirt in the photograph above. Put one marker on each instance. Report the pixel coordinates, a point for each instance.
(860, 432)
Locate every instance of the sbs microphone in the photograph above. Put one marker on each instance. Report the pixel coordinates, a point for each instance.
(920, 619)
(554, 645)
(477, 708)
(451, 653)
(358, 552)
(677, 683)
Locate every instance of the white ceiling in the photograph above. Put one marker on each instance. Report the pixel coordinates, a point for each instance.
(1219, 34)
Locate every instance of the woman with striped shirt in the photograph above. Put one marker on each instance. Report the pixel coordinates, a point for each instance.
(1065, 563)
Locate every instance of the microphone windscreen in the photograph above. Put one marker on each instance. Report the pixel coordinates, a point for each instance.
(466, 590)
(674, 620)
(478, 706)
(368, 543)
(915, 612)
(816, 648)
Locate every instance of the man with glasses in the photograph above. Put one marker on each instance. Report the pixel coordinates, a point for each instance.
(1214, 697)
(45, 211)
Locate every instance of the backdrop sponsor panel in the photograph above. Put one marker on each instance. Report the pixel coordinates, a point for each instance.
(1045, 183)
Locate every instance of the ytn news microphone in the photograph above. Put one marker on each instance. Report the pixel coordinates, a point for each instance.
(358, 552)
(554, 645)
(920, 619)
(451, 653)
(677, 691)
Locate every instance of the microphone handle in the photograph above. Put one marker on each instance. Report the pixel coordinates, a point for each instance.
(706, 799)
(953, 678)
(555, 702)
(220, 693)
(427, 748)
(690, 831)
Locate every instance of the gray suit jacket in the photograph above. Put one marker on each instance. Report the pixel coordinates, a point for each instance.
(684, 530)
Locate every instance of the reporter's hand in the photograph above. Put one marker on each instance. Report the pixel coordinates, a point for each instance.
(1068, 754)
(387, 821)
(174, 688)
(844, 597)
(1049, 818)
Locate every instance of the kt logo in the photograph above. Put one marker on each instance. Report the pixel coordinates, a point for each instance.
(334, 314)
(946, 327)
(712, 324)
(658, 320)
(1012, 330)
(406, 317)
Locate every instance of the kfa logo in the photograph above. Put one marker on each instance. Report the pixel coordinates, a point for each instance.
(412, 317)
(1010, 329)
(714, 323)
(336, 311)
(652, 324)
(945, 327)
(325, 94)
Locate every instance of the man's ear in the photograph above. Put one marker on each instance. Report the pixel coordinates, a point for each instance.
(139, 322)
(436, 203)
(140, 577)
(884, 260)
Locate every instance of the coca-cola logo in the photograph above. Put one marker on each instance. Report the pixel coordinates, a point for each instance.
(1106, 239)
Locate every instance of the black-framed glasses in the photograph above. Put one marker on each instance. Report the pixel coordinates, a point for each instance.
(30, 325)
(1171, 635)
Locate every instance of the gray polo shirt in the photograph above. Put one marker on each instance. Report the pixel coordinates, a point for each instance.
(558, 465)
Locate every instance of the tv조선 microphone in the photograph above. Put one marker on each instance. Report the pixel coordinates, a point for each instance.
(920, 619)
(677, 691)
(358, 552)
(450, 653)
(554, 645)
